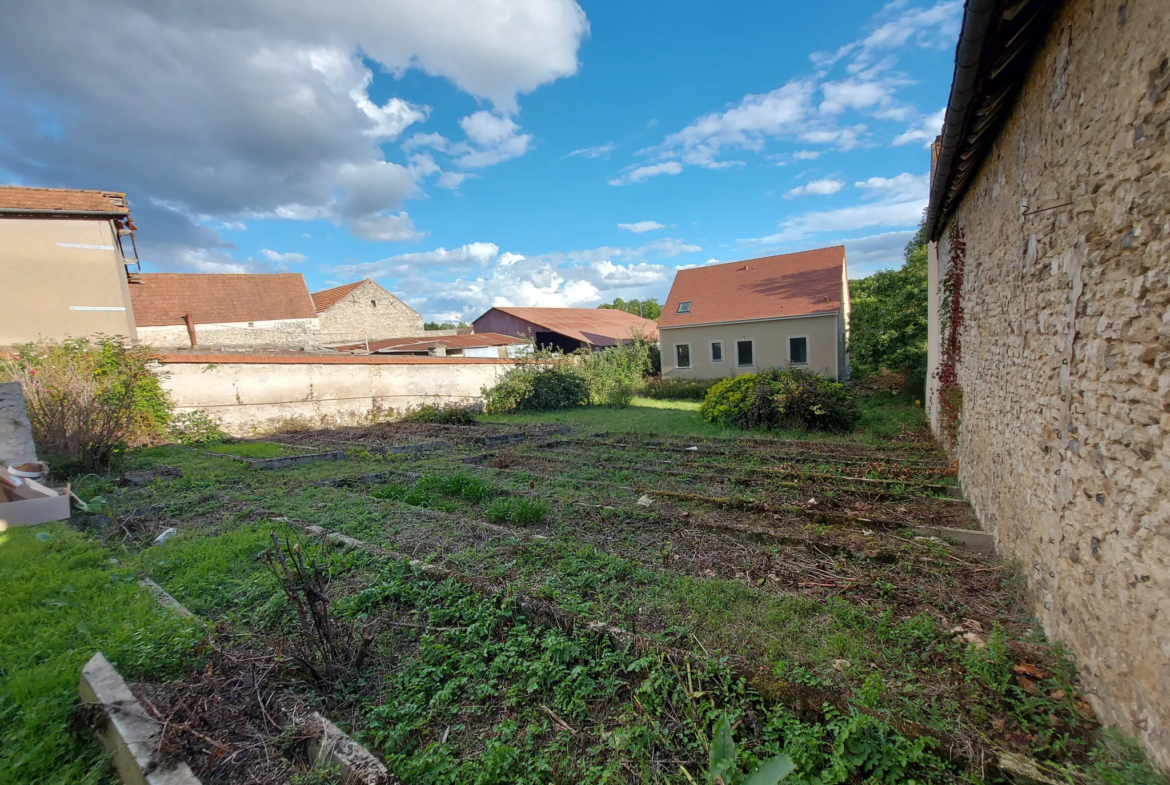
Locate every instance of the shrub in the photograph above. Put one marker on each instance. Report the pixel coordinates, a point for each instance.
(441, 414)
(677, 389)
(195, 427)
(613, 374)
(780, 398)
(88, 399)
(533, 387)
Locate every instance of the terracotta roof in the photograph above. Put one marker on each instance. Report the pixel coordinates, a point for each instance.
(423, 343)
(19, 198)
(324, 300)
(164, 298)
(325, 359)
(793, 284)
(596, 326)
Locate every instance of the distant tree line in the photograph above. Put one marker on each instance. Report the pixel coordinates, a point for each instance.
(647, 309)
(445, 325)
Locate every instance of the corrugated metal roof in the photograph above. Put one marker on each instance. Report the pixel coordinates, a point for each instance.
(64, 200)
(596, 326)
(793, 284)
(324, 300)
(164, 298)
(424, 343)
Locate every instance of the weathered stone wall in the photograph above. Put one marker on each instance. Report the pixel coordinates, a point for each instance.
(289, 334)
(1066, 350)
(16, 442)
(257, 394)
(369, 312)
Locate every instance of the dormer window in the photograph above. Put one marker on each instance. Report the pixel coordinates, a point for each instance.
(684, 307)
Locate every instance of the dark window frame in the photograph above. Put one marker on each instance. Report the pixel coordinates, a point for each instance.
(715, 359)
(739, 353)
(792, 338)
(684, 307)
(678, 360)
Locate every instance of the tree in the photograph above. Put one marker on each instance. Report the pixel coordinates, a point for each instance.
(888, 326)
(647, 309)
(444, 326)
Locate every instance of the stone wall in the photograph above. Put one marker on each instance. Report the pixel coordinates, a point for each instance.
(251, 394)
(369, 312)
(16, 442)
(1066, 351)
(287, 334)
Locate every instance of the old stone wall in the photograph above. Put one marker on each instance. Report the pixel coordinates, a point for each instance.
(257, 394)
(369, 312)
(1066, 350)
(16, 442)
(288, 334)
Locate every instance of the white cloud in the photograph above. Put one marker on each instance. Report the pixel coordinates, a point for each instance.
(642, 226)
(899, 187)
(253, 108)
(825, 187)
(452, 180)
(283, 258)
(897, 213)
(497, 138)
(387, 228)
(507, 259)
(670, 247)
(883, 251)
(639, 173)
(806, 155)
(713, 261)
(600, 151)
(464, 257)
(926, 130)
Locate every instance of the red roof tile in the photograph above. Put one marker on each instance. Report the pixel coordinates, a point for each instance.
(17, 198)
(424, 343)
(596, 326)
(324, 300)
(793, 284)
(164, 298)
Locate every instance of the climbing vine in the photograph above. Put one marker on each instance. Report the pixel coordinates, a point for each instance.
(950, 392)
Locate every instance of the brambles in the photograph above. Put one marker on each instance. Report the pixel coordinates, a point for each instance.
(518, 511)
(89, 399)
(781, 398)
(441, 414)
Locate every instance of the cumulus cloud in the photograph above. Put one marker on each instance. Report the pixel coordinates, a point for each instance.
(228, 110)
(825, 187)
(925, 131)
(866, 255)
(898, 187)
(806, 155)
(642, 226)
(637, 174)
(452, 180)
(283, 258)
(600, 151)
(497, 139)
(464, 257)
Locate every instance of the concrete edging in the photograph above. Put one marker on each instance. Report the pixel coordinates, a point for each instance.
(125, 728)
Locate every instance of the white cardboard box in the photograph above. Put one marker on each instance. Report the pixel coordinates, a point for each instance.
(32, 503)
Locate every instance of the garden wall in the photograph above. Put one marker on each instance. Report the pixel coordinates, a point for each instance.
(252, 394)
(1065, 365)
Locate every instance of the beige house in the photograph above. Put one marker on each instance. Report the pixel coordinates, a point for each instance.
(775, 312)
(62, 264)
(363, 311)
(1050, 225)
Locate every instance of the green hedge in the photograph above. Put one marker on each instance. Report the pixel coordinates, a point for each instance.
(532, 388)
(781, 398)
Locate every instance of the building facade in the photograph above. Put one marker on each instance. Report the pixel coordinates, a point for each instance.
(62, 265)
(1050, 344)
(788, 311)
(364, 311)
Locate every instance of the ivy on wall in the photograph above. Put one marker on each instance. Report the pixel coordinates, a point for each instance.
(950, 392)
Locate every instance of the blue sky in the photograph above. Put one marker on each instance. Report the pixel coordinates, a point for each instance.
(468, 154)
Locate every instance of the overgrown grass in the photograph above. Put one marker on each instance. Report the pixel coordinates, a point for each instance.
(62, 599)
(518, 511)
(256, 450)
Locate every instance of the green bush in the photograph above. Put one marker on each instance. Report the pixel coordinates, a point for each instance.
(677, 389)
(780, 398)
(89, 399)
(534, 387)
(441, 414)
(613, 374)
(195, 427)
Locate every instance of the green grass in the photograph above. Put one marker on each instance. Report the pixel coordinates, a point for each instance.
(62, 599)
(256, 450)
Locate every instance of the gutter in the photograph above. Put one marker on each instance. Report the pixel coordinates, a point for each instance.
(70, 213)
(977, 17)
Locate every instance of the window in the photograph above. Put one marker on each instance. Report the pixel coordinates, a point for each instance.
(717, 351)
(798, 349)
(373, 303)
(682, 355)
(743, 352)
(684, 307)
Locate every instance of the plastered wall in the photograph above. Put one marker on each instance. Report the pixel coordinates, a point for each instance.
(250, 397)
(769, 346)
(1066, 351)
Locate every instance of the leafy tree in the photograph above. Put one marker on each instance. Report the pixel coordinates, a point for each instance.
(444, 326)
(888, 326)
(649, 308)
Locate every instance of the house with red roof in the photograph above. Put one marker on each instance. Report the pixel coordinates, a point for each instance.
(781, 311)
(363, 311)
